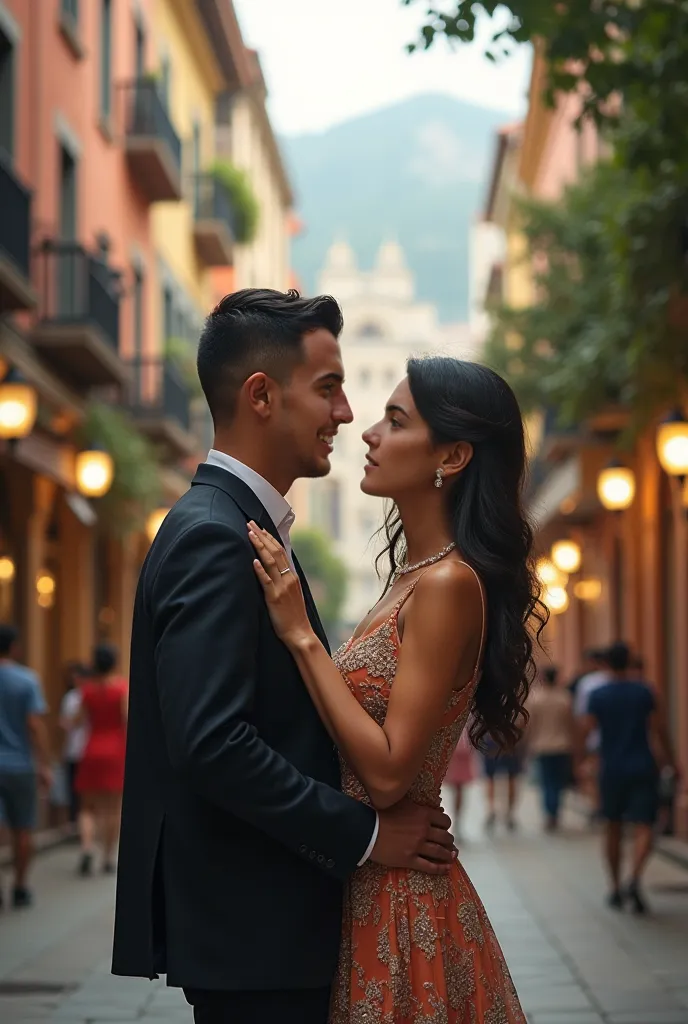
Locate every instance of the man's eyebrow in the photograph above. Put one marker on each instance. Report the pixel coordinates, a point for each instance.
(333, 376)
(397, 408)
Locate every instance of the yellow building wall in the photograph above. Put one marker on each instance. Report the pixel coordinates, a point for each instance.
(195, 81)
(264, 263)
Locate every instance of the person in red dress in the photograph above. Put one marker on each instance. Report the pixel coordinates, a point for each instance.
(100, 778)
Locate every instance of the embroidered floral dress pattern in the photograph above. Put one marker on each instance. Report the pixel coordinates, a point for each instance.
(416, 948)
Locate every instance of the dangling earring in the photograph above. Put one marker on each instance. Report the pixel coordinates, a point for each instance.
(439, 482)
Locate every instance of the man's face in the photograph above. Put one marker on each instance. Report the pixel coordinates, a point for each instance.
(313, 407)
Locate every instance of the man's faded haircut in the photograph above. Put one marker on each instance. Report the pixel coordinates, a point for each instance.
(257, 330)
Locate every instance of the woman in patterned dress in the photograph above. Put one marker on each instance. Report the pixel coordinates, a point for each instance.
(450, 637)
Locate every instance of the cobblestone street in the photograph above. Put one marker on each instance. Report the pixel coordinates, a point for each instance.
(574, 961)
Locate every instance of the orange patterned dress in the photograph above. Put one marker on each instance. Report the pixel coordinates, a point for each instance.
(416, 948)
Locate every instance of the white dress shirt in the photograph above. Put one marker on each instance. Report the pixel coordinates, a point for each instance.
(282, 515)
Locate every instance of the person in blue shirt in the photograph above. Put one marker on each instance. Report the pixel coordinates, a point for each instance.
(24, 757)
(630, 720)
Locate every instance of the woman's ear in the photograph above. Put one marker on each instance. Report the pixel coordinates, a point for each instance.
(457, 458)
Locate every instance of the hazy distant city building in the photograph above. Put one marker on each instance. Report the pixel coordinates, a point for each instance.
(384, 324)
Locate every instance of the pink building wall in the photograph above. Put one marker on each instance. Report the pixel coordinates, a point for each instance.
(58, 100)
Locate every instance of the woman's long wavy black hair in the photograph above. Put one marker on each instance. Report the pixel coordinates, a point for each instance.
(464, 401)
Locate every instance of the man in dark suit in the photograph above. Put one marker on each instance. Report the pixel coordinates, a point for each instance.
(236, 838)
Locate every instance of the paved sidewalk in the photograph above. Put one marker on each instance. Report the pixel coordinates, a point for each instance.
(573, 960)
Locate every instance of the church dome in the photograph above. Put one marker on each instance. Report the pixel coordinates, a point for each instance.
(390, 257)
(341, 257)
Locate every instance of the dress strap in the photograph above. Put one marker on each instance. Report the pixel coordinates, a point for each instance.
(483, 625)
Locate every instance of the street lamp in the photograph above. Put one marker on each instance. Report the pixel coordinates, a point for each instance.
(672, 444)
(18, 407)
(549, 575)
(588, 589)
(616, 487)
(6, 569)
(94, 471)
(566, 555)
(556, 599)
(154, 522)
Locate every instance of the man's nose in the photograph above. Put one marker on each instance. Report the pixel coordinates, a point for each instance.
(343, 411)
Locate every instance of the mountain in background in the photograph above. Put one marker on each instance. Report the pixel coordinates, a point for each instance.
(415, 172)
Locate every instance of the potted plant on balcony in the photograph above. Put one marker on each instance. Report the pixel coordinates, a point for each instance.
(245, 204)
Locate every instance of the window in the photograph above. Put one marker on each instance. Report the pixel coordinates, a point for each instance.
(138, 311)
(139, 50)
(165, 77)
(167, 314)
(370, 330)
(70, 10)
(106, 59)
(67, 266)
(6, 95)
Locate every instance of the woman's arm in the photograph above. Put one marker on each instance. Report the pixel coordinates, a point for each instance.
(442, 629)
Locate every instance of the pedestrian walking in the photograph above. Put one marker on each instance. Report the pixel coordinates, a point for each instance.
(100, 775)
(461, 771)
(550, 739)
(75, 731)
(24, 758)
(498, 765)
(590, 764)
(630, 717)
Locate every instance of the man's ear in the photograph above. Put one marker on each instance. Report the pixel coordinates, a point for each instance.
(258, 392)
(457, 458)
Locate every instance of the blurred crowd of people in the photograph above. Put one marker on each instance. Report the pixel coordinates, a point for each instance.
(86, 779)
(604, 735)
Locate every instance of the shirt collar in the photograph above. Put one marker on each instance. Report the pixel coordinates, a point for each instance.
(276, 506)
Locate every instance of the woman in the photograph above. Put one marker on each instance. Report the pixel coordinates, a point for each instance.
(448, 638)
(550, 738)
(100, 777)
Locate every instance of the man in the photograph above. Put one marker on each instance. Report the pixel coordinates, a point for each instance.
(596, 676)
(236, 838)
(24, 754)
(631, 724)
(593, 662)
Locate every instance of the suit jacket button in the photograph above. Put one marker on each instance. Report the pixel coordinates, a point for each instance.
(303, 849)
(321, 859)
(312, 855)
(330, 863)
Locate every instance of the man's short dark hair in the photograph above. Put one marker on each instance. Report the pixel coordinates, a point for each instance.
(8, 637)
(618, 657)
(257, 330)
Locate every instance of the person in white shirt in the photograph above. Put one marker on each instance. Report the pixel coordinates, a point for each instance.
(75, 733)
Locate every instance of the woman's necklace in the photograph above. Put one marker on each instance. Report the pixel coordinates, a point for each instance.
(402, 570)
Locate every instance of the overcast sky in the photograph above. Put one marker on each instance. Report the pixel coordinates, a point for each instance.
(326, 61)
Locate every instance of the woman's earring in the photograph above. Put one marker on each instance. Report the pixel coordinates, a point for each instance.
(439, 482)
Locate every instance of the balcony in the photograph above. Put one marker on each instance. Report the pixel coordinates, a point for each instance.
(15, 229)
(78, 327)
(213, 222)
(153, 148)
(160, 401)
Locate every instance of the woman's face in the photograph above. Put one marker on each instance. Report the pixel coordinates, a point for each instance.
(401, 456)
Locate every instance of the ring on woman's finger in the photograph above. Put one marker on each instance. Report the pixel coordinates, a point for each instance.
(283, 572)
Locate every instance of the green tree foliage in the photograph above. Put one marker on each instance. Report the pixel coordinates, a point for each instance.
(136, 489)
(608, 271)
(326, 574)
(609, 320)
(627, 59)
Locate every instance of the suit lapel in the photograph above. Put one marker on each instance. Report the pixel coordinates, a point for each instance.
(253, 508)
(311, 608)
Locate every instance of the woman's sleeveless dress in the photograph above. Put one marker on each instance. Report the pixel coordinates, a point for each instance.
(416, 948)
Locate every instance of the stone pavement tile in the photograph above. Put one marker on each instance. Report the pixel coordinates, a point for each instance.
(634, 1001)
(554, 1000)
(566, 1018)
(74, 1013)
(650, 1017)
